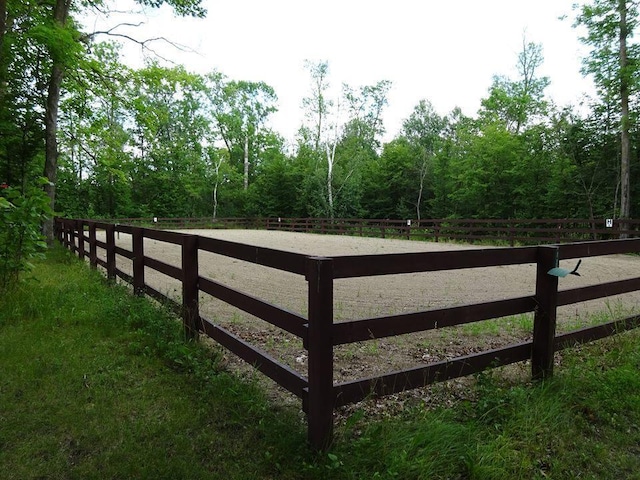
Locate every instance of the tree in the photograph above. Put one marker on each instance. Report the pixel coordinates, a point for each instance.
(241, 110)
(389, 182)
(23, 70)
(364, 109)
(515, 102)
(340, 137)
(95, 158)
(423, 129)
(218, 159)
(613, 63)
(320, 135)
(53, 32)
(170, 126)
(317, 105)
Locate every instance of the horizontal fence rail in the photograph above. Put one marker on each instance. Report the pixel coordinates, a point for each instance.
(319, 332)
(509, 231)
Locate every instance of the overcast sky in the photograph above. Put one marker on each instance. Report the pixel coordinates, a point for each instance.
(443, 51)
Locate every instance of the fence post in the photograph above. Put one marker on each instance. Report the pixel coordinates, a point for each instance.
(93, 247)
(80, 224)
(320, 348)
(190, 291)
(512, 233)
(544, 323)
(61, 232)
(65, 234)
(56, 228)
(110, 232)
(72, 236)
(138, 260)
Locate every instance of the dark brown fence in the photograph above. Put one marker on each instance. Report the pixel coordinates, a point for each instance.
(319, 393)
(188, 222)
(511, 231)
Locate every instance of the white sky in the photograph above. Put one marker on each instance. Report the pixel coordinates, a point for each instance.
(443, 51)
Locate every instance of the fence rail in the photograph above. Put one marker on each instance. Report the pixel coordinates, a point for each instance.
(508, 231)
(319, 393)
(511, 231)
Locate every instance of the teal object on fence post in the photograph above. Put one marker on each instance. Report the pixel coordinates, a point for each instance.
(563, 272)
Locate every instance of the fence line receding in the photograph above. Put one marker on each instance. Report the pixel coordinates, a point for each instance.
(318, 331)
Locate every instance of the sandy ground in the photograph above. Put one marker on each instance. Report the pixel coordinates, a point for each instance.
(383, 295)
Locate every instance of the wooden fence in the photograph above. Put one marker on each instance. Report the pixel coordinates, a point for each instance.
(319, 393)
(510, 231)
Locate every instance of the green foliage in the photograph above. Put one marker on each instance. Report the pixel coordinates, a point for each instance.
(514, 103)
(390, 184)
(191, 8)
(21, 240)
(163, 141)
(601, 19)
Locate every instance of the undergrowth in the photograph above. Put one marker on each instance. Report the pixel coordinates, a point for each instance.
(97, 383)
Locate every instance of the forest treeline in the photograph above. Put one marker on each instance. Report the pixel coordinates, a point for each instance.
(163, 141)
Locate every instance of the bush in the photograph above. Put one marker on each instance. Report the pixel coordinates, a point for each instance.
(21, 239)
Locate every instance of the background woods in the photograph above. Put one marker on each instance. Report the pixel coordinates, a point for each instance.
(163, 141)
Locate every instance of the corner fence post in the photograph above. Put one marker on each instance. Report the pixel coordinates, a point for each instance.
(320, 348)
(544, 322)
(190, 275)
(137, 239)
(110, 232)
(93, 247)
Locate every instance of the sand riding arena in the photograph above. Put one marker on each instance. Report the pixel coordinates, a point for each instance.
(367, 297)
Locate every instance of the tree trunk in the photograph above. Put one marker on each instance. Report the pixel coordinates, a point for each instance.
(215, 200)
(4, 62)
(216, 170)
(625, 186)
(246, 162)
(3, 31)
(331, 155)
(51, 144)
(60, 14)
(423, 175)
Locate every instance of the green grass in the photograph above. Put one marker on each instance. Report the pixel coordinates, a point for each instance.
(516, 324)
(98, 384)
(95, 383)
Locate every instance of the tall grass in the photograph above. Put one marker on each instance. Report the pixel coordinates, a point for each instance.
(95, 383)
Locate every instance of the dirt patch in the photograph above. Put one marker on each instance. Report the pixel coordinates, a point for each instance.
(383, 295)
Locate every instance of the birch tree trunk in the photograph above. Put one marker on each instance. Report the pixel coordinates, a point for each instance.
(218, 164)
(331, 155)
(423, 175)
(246, 162)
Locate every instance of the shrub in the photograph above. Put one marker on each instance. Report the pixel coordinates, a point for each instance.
(21, 239)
